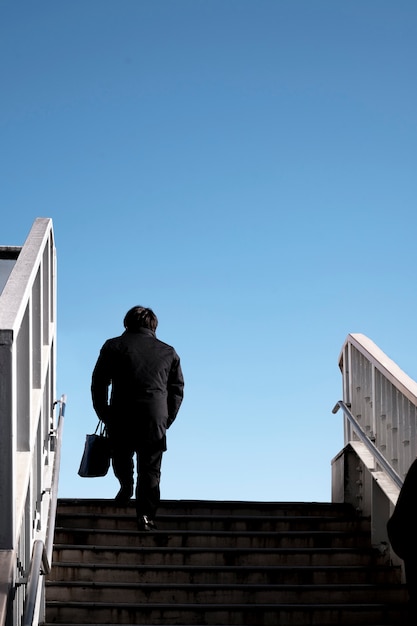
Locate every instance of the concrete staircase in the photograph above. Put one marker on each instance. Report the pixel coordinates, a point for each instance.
(221, 563)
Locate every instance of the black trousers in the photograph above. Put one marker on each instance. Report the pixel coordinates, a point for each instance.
(411, 580)
(148, 465)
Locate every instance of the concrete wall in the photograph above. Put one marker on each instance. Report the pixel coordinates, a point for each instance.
(8, 257)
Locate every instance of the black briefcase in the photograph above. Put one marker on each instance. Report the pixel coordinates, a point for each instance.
(96, 456)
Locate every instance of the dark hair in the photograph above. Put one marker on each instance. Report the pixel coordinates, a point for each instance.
(140, 317)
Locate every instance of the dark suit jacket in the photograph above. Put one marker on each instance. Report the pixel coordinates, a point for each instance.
(146, 385)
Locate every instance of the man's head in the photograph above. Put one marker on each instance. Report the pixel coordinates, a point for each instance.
(140, 317)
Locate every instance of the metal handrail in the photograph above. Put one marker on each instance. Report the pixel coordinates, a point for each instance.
(380, 459)
(39, 564)
(41, 560)
(49, 541)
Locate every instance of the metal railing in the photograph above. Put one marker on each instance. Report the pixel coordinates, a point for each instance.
(41, 561)
(379, 458)
(380, 433)
(29, 442)
(383, 400)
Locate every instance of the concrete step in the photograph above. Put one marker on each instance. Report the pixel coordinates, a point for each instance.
(156, 555)
(211, 508)
(346, 614)
(214, 539)
(223, 593)
(204, 574)
(210, 523)
(220, 563)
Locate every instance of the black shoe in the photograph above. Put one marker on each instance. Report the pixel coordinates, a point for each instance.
(144, 523)
(124, 495)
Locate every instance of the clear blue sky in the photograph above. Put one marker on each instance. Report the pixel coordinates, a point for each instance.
(247, 168)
